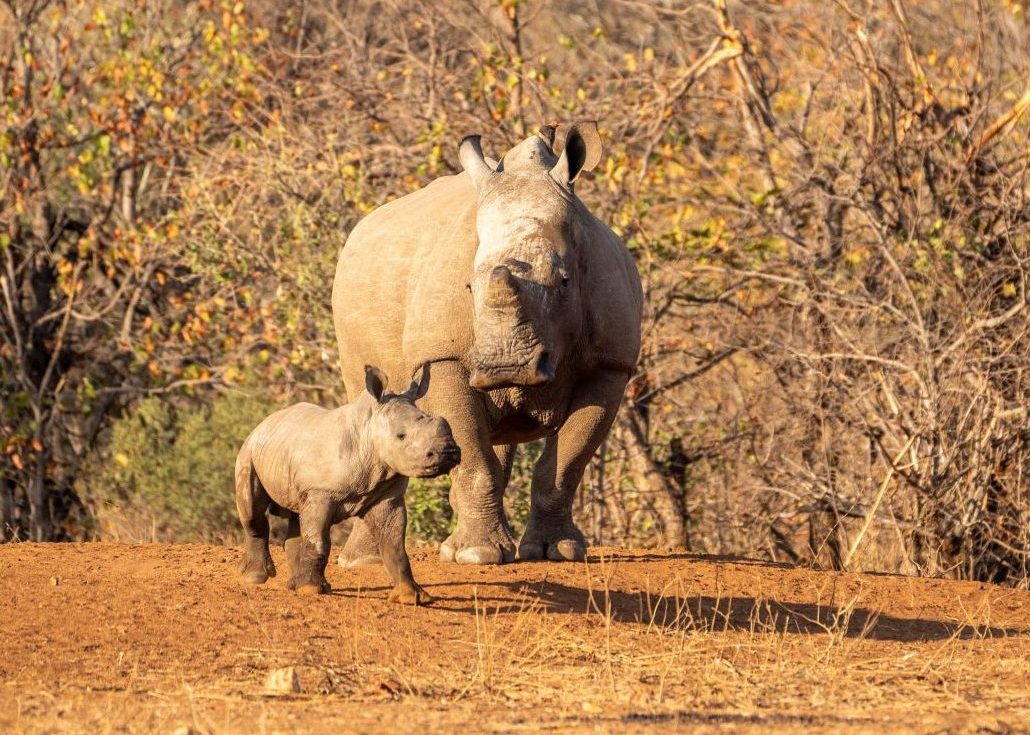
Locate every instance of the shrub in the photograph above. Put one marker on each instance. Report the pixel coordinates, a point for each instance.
(167, 473)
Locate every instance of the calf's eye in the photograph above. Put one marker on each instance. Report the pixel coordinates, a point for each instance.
(401, 435)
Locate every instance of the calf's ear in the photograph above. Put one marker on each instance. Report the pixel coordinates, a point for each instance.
(375, 382)
(420, 383)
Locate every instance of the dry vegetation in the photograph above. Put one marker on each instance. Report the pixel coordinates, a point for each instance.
(828, 203)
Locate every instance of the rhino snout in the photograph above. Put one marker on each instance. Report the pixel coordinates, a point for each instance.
(441, 458)
(538, 370)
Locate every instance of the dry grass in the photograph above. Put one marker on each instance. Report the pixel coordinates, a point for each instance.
(150, 638)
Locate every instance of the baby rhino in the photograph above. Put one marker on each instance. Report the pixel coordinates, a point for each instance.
(317, 466)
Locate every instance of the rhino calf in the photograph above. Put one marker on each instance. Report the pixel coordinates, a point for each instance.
(317, 466)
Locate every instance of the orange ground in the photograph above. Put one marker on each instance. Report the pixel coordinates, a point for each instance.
(102, 638)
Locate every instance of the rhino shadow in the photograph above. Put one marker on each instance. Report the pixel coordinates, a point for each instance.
(713, 614)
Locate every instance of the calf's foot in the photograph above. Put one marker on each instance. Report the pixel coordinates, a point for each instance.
(408, 594)
(479, 542)
(557, 540)
(307, 567)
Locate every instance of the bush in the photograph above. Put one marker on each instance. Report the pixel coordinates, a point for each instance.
(167, 473)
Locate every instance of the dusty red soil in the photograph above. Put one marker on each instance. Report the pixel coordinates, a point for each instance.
(114, 638)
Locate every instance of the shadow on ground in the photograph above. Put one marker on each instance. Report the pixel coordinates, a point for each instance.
(700, 612)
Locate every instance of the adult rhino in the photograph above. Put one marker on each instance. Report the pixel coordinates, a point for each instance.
(527, 308)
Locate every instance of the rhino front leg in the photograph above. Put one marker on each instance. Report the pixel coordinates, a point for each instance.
(550, 532)
(482, 534)
(308, 553)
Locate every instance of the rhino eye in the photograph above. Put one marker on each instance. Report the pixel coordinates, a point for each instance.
(564, 281)
(401, 435)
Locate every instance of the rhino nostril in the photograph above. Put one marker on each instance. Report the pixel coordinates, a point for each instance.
(430, 454)
(544, 367)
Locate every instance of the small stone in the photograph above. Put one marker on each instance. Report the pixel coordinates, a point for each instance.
(283, 681)
(54, 581)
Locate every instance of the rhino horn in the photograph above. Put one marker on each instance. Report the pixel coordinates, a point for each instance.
(503, 289)
(470, 153)
(546, 133)
(580, 146)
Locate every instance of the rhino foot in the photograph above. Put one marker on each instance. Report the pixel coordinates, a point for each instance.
(557, 542)
(308, 586)
(477, 545)
(361, 549)
(403, 594)
(365, 560)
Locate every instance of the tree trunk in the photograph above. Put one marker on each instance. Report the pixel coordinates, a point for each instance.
(6, 509)
(663, 492)
(39, 508)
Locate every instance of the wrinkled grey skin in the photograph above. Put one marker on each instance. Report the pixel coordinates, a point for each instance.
(529, 309)
(317, 466)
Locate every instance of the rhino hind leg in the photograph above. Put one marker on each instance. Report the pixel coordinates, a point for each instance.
(361, 548)
(252, 502)
(550, 532)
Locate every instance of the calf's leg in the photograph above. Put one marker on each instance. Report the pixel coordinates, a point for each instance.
(386, 521)
(361, 548)
(251, 504)
(308, 553)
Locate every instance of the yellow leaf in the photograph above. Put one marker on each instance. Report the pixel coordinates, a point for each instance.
(169, 113)
(122, 459)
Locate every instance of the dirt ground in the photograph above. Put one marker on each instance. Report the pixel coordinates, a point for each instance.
(110, 638)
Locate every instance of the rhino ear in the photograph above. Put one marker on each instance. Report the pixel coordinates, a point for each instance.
(375, 382)
(420, 383)
(470, 153)
(580, 151)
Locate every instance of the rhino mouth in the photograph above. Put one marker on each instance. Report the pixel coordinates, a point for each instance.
(537, 370)
(442, 462)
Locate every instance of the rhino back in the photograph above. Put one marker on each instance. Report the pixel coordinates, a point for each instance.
(291, 444)
(400, 296)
